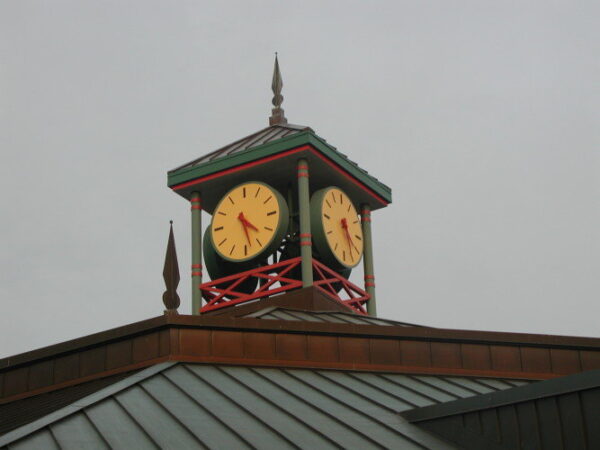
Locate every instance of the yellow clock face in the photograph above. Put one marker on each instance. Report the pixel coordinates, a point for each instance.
(249, 222)
(338, 225)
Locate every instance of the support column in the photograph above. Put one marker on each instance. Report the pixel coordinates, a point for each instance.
(368, 259)
(304, 212)
(196, 252)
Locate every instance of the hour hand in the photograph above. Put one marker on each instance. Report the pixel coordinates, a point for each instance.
(245, 225)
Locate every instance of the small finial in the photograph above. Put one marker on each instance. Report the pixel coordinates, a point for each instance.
(277, 114)
(171, 275)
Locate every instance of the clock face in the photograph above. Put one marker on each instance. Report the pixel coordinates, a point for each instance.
(336, 227)
(250, 221)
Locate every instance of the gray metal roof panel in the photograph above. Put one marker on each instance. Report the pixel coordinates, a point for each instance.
(279, 313)
(246, 143)
(182, 405)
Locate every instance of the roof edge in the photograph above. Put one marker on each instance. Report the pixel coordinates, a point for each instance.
(78, 405)
(547, 388)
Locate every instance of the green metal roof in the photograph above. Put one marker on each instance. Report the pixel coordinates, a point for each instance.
(562, 413)
(268, 142)
(182, 405)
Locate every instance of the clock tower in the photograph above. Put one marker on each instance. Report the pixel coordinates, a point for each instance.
(288, 210)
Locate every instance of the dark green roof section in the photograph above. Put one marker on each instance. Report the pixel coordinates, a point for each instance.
(561, 413)
(307, 137)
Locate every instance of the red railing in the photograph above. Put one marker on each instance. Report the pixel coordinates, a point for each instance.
(222, 292)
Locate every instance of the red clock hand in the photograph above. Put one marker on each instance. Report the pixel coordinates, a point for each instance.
(348, 237)
(249, 225)
(244, 224)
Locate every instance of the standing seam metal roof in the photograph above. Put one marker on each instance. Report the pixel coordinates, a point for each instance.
(260, 137)
(181, 405)
(279, 313)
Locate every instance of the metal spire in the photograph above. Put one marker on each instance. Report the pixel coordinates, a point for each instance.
(171, 275)
(277, 115)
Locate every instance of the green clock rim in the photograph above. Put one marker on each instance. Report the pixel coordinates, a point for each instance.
(280, 231)
(318, 230)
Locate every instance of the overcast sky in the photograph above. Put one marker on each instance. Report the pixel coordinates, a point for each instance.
(482, 116)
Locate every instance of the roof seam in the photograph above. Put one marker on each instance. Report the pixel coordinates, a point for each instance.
(169, 413)
(269, 401)
(258, 419)
(209, 412)
(313, 406)
(356, 410)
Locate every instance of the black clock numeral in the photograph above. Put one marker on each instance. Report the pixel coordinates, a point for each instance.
(330, 231)
(257, 191)
(222, 213)
(232, 249)
(218, 228)
(336, 246)
(244, 192)
(341, 199)
(268, 229)
(328, 204)
(333, 197)
(270, 197)
(344, 255)
(358, 237)
(231, 200)
(356, 221)
(259, 243)
(222, 242)
(349, 206)
(326, 216)
(271, 213)
(245, 250)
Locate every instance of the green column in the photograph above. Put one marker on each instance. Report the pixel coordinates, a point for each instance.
(368, 259)
(196, 252)
(304, 212)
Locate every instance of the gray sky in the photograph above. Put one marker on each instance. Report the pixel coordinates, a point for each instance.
(481, 116)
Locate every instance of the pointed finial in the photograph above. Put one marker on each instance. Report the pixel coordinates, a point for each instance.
(277, 115)
(171, 275)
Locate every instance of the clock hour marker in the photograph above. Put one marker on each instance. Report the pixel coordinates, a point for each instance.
(218, 228)
(344, 255)
(326, 216)
(271, 213)
(245, 250)
(222, 242)
(268, 229)
(333, 197)
(244, 192)
(358, 237)
(258, 242)
(230, 199)
(232, 249)
(257, 191)
(349, 206)
(328, 204)
(270, 197)
(336, 246)
(341, 199)
(222, 213)
(356, 221)
(330, 231)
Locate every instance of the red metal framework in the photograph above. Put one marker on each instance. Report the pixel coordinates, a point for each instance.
(222, 292)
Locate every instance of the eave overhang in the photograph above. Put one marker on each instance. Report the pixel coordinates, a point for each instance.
(279, 343)
(275, 163)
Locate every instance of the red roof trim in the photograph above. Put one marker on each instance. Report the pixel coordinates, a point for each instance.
(267, 159)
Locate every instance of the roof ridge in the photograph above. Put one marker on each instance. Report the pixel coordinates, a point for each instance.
(78, 405)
